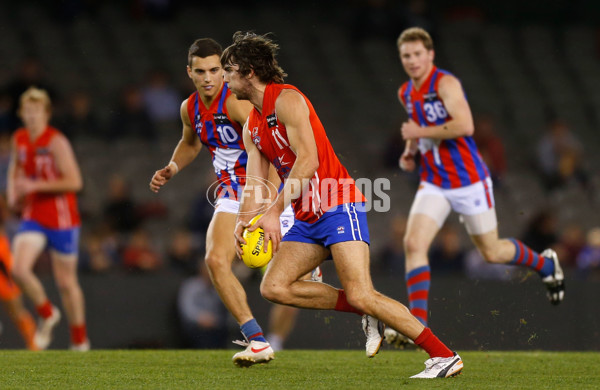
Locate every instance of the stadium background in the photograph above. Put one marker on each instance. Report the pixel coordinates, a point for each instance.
(522, 66)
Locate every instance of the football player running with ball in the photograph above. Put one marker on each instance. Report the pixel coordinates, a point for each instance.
(212, 116)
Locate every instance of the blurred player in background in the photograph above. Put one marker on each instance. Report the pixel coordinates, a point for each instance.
(10, 294)
(212, 116)
(453, 177)
(330, 218)
(43, 178)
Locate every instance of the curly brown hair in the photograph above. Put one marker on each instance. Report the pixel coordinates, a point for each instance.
(252, 52)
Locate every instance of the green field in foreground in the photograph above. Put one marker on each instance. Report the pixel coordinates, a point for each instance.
(159, 369)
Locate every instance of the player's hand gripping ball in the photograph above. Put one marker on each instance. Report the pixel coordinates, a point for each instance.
(253, 254)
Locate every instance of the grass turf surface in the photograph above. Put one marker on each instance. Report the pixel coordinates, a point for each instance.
(341, 369)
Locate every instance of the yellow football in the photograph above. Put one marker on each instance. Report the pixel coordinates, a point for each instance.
(253, 254)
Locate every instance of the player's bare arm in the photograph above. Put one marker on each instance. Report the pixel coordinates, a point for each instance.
(70, 176)
(407, 159)
(293, 112)
(185, 152)
(456, 104)
(257, 170)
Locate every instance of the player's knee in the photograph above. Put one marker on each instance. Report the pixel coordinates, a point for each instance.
(216, 263)
(358, 299)
(66, 283)
(413, 245)
(20, 272)
(273, 291)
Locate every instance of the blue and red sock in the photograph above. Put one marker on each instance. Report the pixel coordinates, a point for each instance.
(253, 331)
(418, 281)
(526, 257)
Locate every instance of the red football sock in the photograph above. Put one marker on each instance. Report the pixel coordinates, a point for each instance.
(343, 305)
(78, 334)
(45, 309)
(432, 345)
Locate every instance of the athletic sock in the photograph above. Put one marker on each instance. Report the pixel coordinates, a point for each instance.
(432, 345)
(252, 331)
(418, 281)
(526, 257)
(78, 334)
(343, 305)
(45, 309)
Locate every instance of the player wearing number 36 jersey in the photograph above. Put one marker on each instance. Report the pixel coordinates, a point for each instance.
(448, 163)
(453, 177)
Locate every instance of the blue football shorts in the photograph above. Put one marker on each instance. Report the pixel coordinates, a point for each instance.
(345, 222)
(61, 240)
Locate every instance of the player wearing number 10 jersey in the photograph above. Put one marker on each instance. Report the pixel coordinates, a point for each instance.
(453, 176)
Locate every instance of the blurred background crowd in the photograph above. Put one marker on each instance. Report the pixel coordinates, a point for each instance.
(116, 73)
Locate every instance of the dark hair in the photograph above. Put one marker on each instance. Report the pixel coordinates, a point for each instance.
(252, 52)
(204, 47)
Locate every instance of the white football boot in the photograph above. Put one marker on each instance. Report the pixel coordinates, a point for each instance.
(255, 352)
(373, 329)
(555, 283)
(81, 347)
(43, 334)
(439, 367)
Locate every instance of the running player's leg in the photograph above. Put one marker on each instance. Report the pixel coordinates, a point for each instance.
(27, 247)
(352, 264)
(64, 266)
(476, 206)
(515, 252)
(427, 215)
(282, 320)
(283, 281)
(220, 253)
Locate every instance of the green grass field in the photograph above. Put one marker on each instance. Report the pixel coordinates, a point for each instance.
(293, 369)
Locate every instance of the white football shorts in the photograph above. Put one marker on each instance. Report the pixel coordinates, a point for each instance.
(474, 203)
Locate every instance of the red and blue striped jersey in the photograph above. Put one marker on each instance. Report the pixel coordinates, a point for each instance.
(447, 163)
(223, 138)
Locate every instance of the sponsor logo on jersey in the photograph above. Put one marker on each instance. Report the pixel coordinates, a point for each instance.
(272, 120)
(221, 119)
(340, 230)
(430, 96)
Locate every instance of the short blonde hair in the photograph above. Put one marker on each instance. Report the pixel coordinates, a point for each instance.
(36, 95)
(415, 34)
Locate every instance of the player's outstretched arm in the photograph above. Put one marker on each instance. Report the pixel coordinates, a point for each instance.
(185, 152)
(461, 122)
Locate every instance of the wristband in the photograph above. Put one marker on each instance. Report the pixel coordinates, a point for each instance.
(174, 165)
